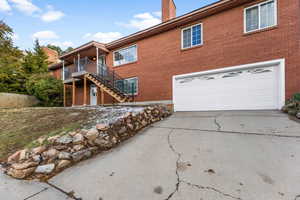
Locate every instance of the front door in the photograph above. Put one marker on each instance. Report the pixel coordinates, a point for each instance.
(93, 95)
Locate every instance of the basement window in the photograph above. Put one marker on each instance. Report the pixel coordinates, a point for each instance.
(192, 36)
(125, 56)
(260, 16)
(128, 86)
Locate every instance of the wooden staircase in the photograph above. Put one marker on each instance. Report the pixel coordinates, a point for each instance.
(109, 87)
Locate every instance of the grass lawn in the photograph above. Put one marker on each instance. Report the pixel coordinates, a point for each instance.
(20, 127)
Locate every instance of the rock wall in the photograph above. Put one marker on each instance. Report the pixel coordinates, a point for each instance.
(9, 100)
(56, 153)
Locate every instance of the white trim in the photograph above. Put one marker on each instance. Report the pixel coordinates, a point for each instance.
(136, 52)
(279, 62)
(137, 84)
(259, 20)
(191, 27)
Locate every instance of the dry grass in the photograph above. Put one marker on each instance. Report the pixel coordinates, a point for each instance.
(19, 127)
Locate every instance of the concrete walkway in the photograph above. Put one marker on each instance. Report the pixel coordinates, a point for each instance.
(190, 156)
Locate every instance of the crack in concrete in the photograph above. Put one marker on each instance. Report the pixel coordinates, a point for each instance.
(229, 132)
(179, 181)
(70, 194)
(217, 123)
(212, 189)
(297, 197)
(35, 194)
(177, 164)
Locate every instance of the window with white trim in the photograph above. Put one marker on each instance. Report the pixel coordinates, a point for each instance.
(125, 56)
(260, 16)
(192, 36)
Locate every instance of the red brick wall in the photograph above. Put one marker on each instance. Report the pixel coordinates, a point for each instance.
(160, 57)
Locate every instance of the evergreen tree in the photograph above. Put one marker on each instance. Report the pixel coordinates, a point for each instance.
(35, 61)
(12, 78)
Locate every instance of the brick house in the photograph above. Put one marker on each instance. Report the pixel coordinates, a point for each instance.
(229, 55)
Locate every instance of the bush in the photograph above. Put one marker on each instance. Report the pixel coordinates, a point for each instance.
(46, 88)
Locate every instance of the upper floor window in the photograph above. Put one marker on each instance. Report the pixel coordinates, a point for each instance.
(126, 55)
(260, 16)
(192, 36)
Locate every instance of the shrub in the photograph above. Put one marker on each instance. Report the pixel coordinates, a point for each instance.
(46, 88)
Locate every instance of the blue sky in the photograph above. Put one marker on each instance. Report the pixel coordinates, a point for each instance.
(74, 22)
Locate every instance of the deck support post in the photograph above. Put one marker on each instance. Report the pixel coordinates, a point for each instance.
(65, 103)
(74, 93)
(84, 91)
(97, 59)
(102, 97)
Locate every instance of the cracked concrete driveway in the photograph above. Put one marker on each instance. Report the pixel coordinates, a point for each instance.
(248, 155)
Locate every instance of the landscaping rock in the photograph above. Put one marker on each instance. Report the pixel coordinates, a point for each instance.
(66, 139)
(52, 153)
(77, 156)
(14, 158)
(63, 151)
(63, 164)
(78, 147)
(91, 135)
(78, 139)
(41, 139)
(103, 143)
(25, 165)
(24, 154)
(64, 156)
(298, 115)
(102, 127)
(45, 169)
(39, 150)
(20, 174)
(53, 138)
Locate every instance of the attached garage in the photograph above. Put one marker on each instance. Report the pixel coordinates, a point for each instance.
(257, 86)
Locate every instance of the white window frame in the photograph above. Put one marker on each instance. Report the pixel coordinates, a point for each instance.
(136, 51)
(137, 84)
(191, 27)
(259, 20)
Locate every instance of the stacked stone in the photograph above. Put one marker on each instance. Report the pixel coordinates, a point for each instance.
(63, 151)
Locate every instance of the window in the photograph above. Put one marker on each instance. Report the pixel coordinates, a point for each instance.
(128, 86)
(260, 16)
(124, 56)
(192, 36)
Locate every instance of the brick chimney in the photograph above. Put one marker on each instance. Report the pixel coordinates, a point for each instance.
(168, 10)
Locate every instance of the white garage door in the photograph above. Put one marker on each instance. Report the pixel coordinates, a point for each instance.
(248, 87)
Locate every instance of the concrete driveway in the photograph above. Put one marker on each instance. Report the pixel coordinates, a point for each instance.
(248, 155)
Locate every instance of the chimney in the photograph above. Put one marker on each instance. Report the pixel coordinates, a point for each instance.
(168, 10)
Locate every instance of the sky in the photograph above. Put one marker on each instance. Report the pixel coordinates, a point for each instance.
(74, 22)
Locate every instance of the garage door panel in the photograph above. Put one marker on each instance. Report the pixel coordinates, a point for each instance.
(237, 90)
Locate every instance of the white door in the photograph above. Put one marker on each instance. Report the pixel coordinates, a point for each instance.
(93, 95)
(241, 88)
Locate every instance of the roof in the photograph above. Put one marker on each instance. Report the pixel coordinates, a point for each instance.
(55, 66)
(86, 46)
(200, 13)
(197, 14)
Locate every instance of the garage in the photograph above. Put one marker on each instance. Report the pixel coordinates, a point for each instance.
(256, 86)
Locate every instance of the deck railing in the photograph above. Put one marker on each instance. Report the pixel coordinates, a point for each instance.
(111, 78)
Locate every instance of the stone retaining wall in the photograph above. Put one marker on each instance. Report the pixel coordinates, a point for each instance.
(9, 100)
(56, 153)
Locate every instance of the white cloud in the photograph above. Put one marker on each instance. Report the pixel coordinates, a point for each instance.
(103, 37)
(143, 20)
(26, 6)
(4, 6)
(52, 15)
(45, 35)
(63, 45)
